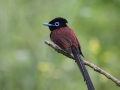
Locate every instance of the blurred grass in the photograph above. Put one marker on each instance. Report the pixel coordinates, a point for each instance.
(26, 63)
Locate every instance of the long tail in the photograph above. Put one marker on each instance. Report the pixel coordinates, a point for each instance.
(83, 69)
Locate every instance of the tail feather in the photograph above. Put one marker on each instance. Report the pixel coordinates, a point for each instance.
(83, 69)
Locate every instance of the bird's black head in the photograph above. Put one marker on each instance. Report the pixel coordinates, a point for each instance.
(56, 23)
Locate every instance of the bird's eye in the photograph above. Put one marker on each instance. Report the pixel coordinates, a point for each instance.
(57, 24)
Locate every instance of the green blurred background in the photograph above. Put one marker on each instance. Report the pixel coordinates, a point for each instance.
(26, 63)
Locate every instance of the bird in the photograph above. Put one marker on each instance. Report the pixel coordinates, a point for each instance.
(65, 38)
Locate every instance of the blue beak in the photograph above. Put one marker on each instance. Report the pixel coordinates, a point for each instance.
(47, 24)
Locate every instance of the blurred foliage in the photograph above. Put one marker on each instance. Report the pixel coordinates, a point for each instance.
(26, 63)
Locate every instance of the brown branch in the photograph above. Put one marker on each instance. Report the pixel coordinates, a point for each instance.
(95, 68)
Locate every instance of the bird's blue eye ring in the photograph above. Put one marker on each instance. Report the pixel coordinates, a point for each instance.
(56, 23)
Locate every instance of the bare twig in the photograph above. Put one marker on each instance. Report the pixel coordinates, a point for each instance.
(95, 68)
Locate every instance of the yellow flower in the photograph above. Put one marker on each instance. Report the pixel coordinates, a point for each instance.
(94, 46)
(43, 66)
